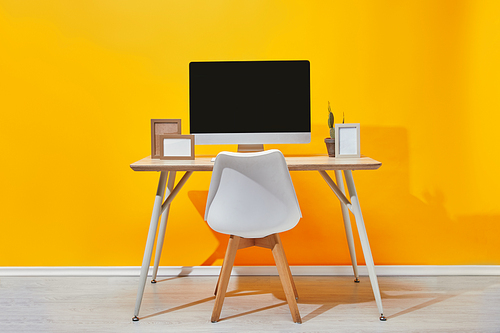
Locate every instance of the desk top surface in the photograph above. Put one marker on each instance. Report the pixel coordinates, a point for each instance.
(295, 163)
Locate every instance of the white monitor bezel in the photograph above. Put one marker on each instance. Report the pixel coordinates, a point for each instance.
(251, 138)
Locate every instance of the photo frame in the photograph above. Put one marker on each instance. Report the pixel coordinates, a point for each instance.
(347, 140)
(162, 127)
(176, 147)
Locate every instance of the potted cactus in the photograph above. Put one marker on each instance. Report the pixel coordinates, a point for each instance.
(330, 142)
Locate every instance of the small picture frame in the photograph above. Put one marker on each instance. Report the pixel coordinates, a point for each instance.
(162, 127)
(176, 147)
(347, 140)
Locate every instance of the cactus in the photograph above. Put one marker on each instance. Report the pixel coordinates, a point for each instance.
(331, 122)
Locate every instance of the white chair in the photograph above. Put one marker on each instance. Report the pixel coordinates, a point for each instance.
(251, 198)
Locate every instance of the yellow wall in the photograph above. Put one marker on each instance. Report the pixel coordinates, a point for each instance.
(80, 81)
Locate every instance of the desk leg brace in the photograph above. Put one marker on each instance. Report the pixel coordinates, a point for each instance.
(347, 226)
(345, 205)
(365, 245)
(163, 226)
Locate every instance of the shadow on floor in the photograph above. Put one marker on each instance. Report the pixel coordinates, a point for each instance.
(328, 292)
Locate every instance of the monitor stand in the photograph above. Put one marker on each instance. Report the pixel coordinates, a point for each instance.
(250, 148)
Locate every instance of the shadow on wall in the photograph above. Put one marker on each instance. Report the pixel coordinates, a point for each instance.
(403, 230)
(199, 200)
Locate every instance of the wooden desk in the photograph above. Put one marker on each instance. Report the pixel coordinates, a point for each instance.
(321, 163)
(295, 163)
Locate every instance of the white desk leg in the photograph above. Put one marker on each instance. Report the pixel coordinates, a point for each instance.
(163, 226)
(365, 245)
(347, 226)
(153, 225)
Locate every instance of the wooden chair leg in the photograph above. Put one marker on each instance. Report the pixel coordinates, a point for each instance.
(285, 277)
(218, 280)
(224, 276)
(289, 273)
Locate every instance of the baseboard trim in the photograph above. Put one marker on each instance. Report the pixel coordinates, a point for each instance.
(389, 270)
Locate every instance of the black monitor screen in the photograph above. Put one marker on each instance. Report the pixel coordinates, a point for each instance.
(249, 97)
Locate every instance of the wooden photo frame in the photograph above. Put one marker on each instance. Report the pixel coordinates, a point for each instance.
(347, 140)
(162, 127)
(176, 147)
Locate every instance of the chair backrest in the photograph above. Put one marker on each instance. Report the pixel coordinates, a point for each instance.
(251, 195)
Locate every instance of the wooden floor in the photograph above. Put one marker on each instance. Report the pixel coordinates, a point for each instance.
(253, 304)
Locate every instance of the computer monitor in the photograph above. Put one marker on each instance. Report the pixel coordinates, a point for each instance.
(250, 102)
